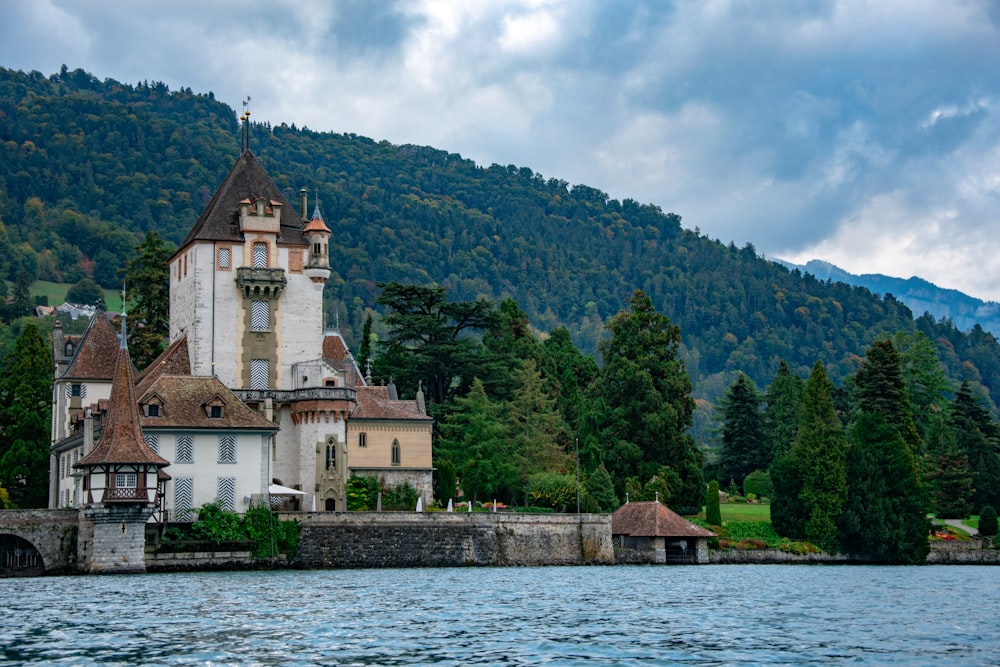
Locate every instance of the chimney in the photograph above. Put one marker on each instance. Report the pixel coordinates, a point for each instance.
(303, 203)
(88, 432)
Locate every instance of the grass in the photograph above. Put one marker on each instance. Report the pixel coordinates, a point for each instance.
(745, 512)
(56, 294)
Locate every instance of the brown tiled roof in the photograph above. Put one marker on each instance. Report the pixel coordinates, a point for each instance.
(337, 355)
(374, 403)
(97, 352)
(122, 440)
(246, 180)
(653, 519)
(174, 360)
(184, 398)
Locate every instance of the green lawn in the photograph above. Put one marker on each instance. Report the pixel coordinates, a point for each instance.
(745, 512)
(56, 293)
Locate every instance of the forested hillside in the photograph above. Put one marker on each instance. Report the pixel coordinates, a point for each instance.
(88, 167)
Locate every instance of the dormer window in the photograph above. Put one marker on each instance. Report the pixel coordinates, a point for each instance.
(215, 408)
(69, 349)
(152, 406)
(152, 410)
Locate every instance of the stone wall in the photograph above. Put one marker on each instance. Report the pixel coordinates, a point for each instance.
(440, 539)
(112, 540)
(53, 533)
(770, 556)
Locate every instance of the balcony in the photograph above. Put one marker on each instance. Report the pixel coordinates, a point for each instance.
(261, 283)
(292, 395)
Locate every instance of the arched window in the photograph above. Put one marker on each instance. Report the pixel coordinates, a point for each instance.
(395, 452)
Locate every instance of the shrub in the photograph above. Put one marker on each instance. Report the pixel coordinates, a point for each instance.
(402, 498)
(759, 484)
(362, 493)
(988, 522)
(549, 489)
(713, 513)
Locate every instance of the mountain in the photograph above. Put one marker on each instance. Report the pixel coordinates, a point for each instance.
(89, 166)
(919, 295)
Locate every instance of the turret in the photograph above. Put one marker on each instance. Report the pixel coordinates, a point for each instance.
(318, 236)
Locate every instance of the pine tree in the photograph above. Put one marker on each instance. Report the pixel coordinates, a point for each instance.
(879, 388)
(648, 395)
(744, 448)
(947, 474)
(978, 436)
(538, 430)
(365, 348)
(25, 420)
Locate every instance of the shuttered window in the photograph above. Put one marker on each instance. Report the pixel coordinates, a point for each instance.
(259, 374)
(260, 316)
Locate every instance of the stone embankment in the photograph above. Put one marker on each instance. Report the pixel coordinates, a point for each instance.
(770, 557)
(403, 539)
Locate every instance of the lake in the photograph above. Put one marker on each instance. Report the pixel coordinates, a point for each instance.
(601, 615)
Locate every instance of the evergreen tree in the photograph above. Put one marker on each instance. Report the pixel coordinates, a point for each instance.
(744, 448)
(147, 280)
(948, 480)
(538, 430)
(365, 348)
(788, 514)
(819, 452)
(978, 436)
(713, 512)
(879, 389)
(598, 491)
(988, 522)
(85, 292)
(25, 420)
(924, 378)
(884, 520)
(648, 394)
(476, 439)
(781, 412)
(572, 372)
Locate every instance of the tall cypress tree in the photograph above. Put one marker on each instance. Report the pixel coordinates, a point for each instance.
(819, 452)
(25, 420)
(147, 281)
(744, 448)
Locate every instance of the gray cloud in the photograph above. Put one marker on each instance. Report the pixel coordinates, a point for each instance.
(863, 133)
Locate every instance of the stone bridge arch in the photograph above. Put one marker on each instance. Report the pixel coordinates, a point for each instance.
(52, 534)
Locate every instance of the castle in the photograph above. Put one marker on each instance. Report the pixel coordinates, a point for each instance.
(252, 400)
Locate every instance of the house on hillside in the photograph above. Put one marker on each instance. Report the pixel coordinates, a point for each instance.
(657, 534)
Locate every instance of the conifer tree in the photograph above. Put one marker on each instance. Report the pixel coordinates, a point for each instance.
(538, 430)
(744, 448)
(819, 453)
(947, 474)
(879, 388)
(25, 420)
(978, 436)
(781, 412)
(713, 512)
(147, 280)
(648, 394)
(365, 346)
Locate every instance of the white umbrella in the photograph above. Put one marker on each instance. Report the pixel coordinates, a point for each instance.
(278, 490)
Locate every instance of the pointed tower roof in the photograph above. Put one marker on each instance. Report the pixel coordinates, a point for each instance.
(246, 180)
(122, 441)
(95, 355)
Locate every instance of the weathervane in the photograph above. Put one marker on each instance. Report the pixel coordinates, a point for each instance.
(245, 129)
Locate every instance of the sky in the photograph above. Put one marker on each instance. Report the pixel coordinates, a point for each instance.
(862, 133)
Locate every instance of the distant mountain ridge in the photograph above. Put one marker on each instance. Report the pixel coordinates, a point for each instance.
(919, 295)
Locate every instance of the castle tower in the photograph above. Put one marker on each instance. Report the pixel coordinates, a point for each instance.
(120, 480)
(246, 289)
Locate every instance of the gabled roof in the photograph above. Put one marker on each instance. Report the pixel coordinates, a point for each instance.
(96, 353)
(122, 440)
(336, 353)
(174, 360)
(375, 403)
(185, 397)
(246, 180)
(653, 519)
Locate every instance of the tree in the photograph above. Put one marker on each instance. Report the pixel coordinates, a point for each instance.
(924, 378)
(147, 280)
(430, 341)
(85, 292)
(978, 436)
(476, 438)
(648, 395)
(879, 389)
(25, 420)
(947, 474)
(538, 430)
(713, 512)
(884, 520)
(572, 372)
(744, 448)
(781, 412)
(365, 348)
(819, 454)
(988, 522)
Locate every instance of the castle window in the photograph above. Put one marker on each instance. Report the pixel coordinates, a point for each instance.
(225, 258)
(152, 441)
(260, 316)
(227, 449)
(330, 383)
(260, 373)
(183, 498)
(215, 412)
(260, 255)
(69, 349)
(227, 493)
(185, 449)
(153, 410)
(395, 452)
(362, 439)
(77, 391)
